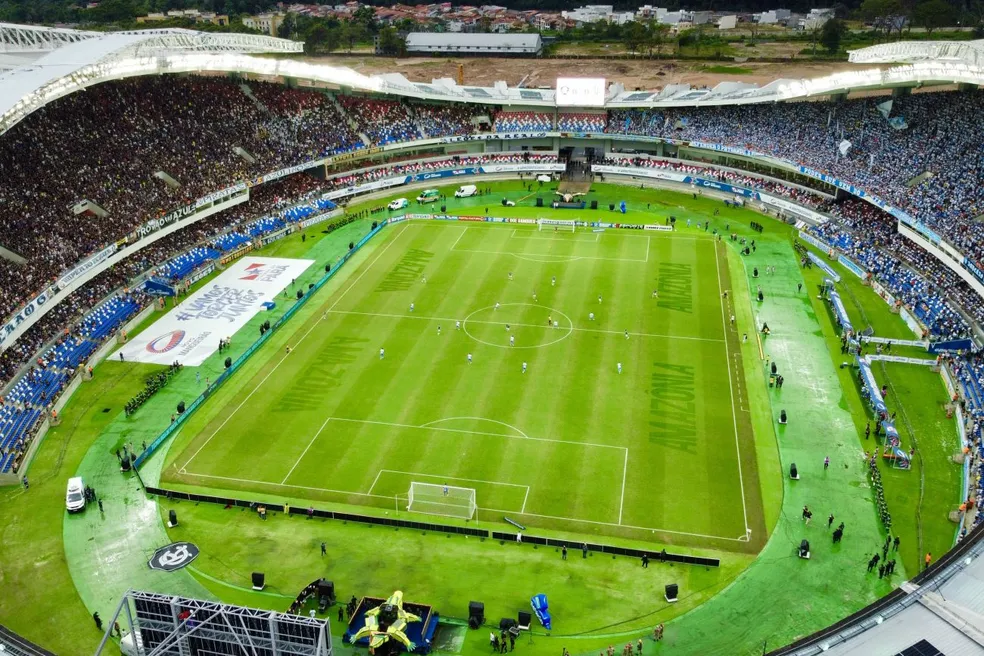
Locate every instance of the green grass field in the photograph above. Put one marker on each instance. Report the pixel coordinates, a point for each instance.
(571, 443)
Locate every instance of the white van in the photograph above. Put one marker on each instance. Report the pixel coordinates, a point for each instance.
(465, 191)
(399, 204)
(75, 495)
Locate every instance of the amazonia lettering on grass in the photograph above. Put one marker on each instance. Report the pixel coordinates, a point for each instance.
(673, 415)
(676, 287)
(406, 272)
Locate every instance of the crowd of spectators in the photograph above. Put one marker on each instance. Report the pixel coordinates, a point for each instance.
(413, 168)
(447, 120)
(581, 122)
(523, 122)
(383, 121)
(934, 135)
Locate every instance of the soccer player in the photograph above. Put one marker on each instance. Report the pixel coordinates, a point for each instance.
(590, 316)
(496, 307)
(549, 321)
(438, 331)
(507, 327)
(445, 489)
(534, 296)
(556, 323)
(469, 358)
(599, 299)
(626, 334)
(457, 325)
(655, 294)
(553, 281)
(411, 307)
(382, 352)
(424, 280)
(512, 340)
(510, 275)
(524, 367)
(619, 367)
(732, 319)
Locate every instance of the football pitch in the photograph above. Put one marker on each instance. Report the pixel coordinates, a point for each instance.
(500, 372)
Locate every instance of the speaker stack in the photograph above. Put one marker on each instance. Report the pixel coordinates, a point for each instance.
(259, 581)
(181, 407)
(476, 614)
(326, 590)
(228, 362)
(611, 207)
(172, 519)
(671, 592)
(524, 619)
(539, 202)
(594, 204)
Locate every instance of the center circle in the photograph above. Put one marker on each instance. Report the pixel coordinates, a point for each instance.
(523, 319)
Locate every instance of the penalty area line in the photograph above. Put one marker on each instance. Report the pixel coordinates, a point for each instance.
(303, 337)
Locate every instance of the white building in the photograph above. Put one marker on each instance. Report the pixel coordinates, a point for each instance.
(772, 16)
(590, 14)
(728, 22)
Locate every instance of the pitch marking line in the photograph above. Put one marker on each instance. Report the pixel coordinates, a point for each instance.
(516, 234)
(560, 258)
(501, 423)
(248, 481)
(304, 452)
(302, 338)
(731, 387)
(523, 325)
(448, 478)
(459, 237)
(741, 396)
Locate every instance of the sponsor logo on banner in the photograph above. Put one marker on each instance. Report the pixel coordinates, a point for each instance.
(318, 218)
(494, 136)
(973, 268)
(290, 170)
(174, 556)
(652, 226)
(219, 195)
(166, 342)
(85, 266)
(523, 221)
(190, 332)
(369, 186)
(810, 239)
(9, 331)
(419, 216)
(526, 168)
(471, 218)
(445, 217)
(852, 267)
(397, 219)
(833, 275)
(200, 273)
(703, 145)
(641, 172)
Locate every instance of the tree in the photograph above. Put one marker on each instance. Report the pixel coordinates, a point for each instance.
(884, 14)
(830, 35)
(656, 36)
(391, 43)
(366, 17)
(634, 36)
(933, 14)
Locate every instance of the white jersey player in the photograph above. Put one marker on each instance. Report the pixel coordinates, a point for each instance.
(411, 307)
(512, 340)
(553, 281)
(599, 299)
(524, 367)
(496, 306)
(457, 325)
(469, 358)
(438, 331)
(590, 316)
(626, 334)
(619, 367)
(382, 352)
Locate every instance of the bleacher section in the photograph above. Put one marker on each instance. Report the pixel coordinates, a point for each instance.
(523, 122)
(581, 122)
(230, 241)
(184, 264)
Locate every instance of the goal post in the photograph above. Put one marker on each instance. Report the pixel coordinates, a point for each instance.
(446, 500)
(558, 224)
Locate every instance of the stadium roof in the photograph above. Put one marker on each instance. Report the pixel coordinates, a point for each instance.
(45, 63)
(48, 63)
(498, 43)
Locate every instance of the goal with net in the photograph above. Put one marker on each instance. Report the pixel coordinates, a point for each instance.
(558, 224)
(444, 500)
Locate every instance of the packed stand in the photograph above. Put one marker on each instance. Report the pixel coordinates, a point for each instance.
(413, 168)
(306, 124)
(446, 120)
(581, 122)
(969, 373)
(936, 133)
(801, 196)
(523, 122)
(383, 121)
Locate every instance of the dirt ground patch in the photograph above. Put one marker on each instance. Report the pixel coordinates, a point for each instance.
(644, 74)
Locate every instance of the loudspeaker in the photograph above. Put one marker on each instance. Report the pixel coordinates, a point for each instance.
(300, 294)
(327, 268)
(476, 609)
(228, 362)
(506, 623)
(793, 473)
(594, 204)
(539, 202)
(326, 589)
(474, 623)
(181, 407)
(524, 618)
(611, 207)
(258, 580)
(444, 208)
(671, 592)
(503, 202)
(172, 519)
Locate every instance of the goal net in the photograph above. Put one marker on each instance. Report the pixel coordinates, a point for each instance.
(558, 224)
(444, 500)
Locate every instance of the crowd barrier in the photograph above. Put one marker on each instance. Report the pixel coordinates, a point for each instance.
(433, 527)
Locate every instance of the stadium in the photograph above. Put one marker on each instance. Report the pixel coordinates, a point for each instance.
(344, 363)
